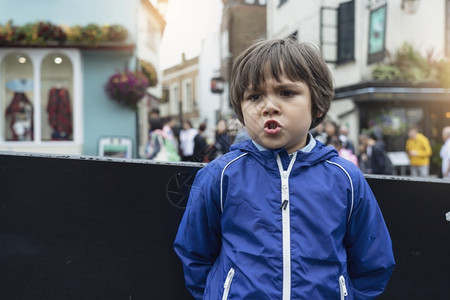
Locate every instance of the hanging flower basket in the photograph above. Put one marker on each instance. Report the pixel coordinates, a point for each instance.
(127, 87)
(149, 71)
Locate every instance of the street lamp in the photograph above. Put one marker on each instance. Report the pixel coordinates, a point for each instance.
(217, 87)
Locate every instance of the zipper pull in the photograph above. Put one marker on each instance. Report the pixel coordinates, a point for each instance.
(284, 204)
(343, 287)
(229, 278)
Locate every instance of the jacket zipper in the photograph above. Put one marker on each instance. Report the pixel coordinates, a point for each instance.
(286, 226)
(227, 284)
(342, 287)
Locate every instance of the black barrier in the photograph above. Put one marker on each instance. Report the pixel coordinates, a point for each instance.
(415, 213)
(86, 228)
(92, 228)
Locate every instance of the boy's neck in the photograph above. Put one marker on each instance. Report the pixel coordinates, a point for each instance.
(310, 144)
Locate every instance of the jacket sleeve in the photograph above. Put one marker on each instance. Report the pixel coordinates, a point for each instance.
(198, 240)
(368, 244)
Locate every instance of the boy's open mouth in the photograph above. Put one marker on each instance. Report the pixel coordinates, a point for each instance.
(272, 127)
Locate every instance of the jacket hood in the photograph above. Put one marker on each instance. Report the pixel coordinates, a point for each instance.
(268, 157)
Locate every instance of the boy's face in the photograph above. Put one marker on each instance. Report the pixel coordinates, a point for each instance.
(278, 115)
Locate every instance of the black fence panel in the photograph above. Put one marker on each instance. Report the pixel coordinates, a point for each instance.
(92, 228)
(415, 213)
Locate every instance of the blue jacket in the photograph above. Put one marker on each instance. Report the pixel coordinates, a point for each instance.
(259, 225)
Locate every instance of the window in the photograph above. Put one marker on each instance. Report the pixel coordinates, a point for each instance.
(188, 104)
(346, 32)
(56, 98)
(447, 27)
(377, 34)
(337, 32)
(174, 99)
(40, 100)
(17, 98)
(282, 2)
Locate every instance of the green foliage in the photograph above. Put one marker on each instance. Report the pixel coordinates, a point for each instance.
(43, 33)
(436, 158)
(443, 70)
(149, 71)
(92, 34)
(410, 65)
(116, 33)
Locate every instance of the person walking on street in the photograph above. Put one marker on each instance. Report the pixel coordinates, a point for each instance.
(445, 153)
(373, 158)
(419, 152)
(187, 135)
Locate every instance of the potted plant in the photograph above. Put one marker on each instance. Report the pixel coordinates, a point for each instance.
(127, 87)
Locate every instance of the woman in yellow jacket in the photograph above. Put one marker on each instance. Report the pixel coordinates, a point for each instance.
(419, 152)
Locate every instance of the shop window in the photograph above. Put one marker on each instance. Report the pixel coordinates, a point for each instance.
(40, 100)
(17, 97)
(56, 98)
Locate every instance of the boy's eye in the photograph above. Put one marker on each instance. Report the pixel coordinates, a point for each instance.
(287, 93)
(254, 97)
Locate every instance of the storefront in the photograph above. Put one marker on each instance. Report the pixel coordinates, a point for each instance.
(52, 99)
(392, 107)
(40, 98)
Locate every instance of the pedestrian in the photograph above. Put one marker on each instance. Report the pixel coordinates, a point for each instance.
(160, 147)
(373, 158)
(319, 133)
(200, 145)
(222, 140)
(332, 130)
(344, 152)
(241, 136)
(168, 125)
(445, 153)
(281, 216)
(419, 152)
(187, 135)
(346, 141)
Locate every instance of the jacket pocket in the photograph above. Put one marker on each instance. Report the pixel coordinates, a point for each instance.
(227, 284)
(343, 287)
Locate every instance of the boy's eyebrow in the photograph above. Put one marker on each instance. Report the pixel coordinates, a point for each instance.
(278, 86)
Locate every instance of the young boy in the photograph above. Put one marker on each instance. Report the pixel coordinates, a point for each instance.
(282, 216)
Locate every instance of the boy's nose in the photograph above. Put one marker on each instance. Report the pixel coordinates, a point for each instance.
(270, 107)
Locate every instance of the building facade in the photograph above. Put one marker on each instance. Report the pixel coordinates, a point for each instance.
(80, 70)
(243, 22)
(180, 89)
(358, 36)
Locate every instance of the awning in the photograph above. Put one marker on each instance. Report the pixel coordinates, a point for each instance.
(393, 91)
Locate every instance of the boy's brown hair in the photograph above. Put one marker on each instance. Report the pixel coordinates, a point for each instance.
(299, 61)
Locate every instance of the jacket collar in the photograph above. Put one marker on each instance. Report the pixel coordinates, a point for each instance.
(267, 157)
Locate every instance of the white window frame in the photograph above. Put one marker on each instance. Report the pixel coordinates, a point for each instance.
(188, 99)
(37, 145)
(174, 98)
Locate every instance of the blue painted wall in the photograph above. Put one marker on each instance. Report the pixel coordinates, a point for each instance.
(103, 116)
